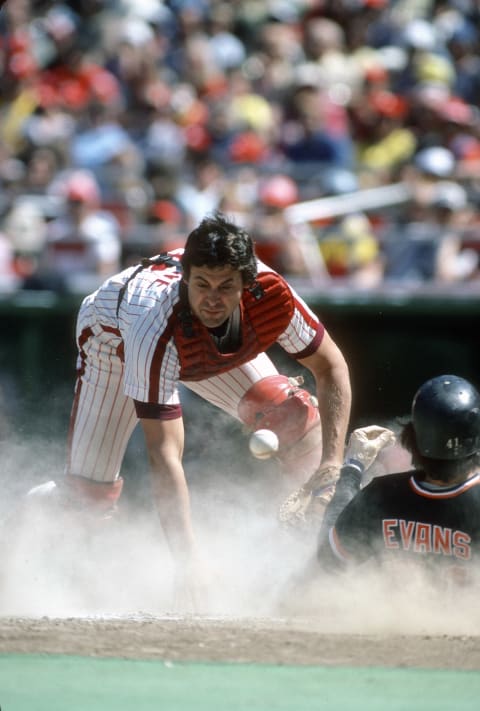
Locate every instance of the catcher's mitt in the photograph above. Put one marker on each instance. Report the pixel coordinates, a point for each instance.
(305, 506)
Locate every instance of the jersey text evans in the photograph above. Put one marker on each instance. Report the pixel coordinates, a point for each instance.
(420, 537)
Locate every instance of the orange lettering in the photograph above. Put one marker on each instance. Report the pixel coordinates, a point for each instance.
(442, 540)
(461, 545)
(406, 532)
(389, 524)
(423, 538)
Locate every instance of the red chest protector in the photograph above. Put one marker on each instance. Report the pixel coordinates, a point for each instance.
(266, 311)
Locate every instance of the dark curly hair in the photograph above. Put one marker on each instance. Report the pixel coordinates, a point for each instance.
(217, 242)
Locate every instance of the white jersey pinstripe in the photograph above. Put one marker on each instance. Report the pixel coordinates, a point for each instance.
(104, 414)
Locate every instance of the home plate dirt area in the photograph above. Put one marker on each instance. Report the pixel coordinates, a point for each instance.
(269, 641)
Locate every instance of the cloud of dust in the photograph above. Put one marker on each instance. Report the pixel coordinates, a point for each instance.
(54, 566)
(408, 604)
(122, 567)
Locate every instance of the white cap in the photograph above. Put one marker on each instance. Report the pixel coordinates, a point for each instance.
(420, 34)
(136, 32)
(436, 161)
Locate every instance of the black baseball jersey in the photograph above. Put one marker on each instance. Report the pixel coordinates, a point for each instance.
(401, 518)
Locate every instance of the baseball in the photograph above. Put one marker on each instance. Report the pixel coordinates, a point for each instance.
(263, 444)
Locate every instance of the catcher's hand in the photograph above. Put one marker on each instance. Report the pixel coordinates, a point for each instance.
(305, 506)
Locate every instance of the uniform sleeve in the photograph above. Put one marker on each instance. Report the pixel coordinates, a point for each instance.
(350, 539)
(305, 331)
(154, 411)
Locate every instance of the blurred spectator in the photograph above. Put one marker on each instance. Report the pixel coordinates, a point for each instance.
(425, 245)
(277, 53)
(162, 229)
(240, 195)
(351, 251)
(251, 112)
(102, 141)
(9, 280)
(309, 136)
(462, 41)
(435, 162)
(25, 226)
(167, 226)
(201, 193)
(197, 103)
(425, 57)
(290, 249)
(228, 50)
(136, 55)
(386, 143)
(74, 78)
(17, 56)
(42, 166)
(328, 61)
(82, 245)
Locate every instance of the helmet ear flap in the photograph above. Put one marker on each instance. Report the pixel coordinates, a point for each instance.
(446, 418)
(473, 416)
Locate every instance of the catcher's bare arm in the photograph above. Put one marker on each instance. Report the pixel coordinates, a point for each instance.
(334, 395)
(165, 441)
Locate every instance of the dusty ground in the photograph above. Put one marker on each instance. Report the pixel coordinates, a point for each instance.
(268, 641)
(60, 598)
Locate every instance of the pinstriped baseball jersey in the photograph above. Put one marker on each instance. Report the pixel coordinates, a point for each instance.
(152, 362)
(129, 351)
(399, 517)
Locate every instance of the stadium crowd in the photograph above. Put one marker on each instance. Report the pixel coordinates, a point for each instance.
(124, 122)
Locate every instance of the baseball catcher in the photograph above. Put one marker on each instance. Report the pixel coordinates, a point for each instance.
(202, 317)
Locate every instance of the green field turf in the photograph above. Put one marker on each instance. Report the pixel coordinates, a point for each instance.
(70, 683)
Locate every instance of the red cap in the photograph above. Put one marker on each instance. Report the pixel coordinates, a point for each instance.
(247, 147)
(386, 103)
(82, 187)
(456, 110)
(166, 211)
(278, 191)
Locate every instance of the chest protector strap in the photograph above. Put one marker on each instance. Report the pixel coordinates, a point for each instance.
(164, 259)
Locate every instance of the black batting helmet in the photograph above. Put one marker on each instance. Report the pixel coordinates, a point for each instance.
(446, 418)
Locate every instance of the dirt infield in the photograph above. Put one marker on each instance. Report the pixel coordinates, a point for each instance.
(251, 640)
(117, 603)
(114, 600)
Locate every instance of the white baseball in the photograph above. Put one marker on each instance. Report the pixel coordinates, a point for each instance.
(263, 444)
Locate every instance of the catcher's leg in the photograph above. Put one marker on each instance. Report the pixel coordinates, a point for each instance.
(76, 495)
(102, 421)
(278, 403)
(259, 396)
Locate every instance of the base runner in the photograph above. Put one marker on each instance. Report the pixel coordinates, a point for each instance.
(427, 518)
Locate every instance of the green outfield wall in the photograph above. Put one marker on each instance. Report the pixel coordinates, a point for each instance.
(393, 340)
